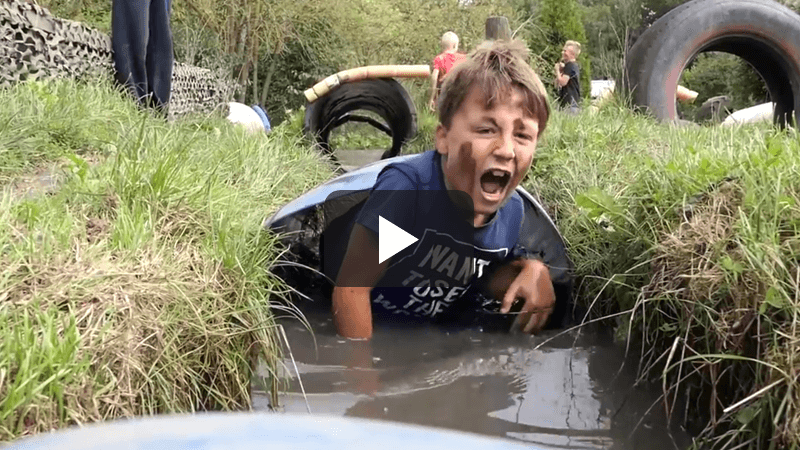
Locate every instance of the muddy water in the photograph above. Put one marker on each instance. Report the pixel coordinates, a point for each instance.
(573, 392)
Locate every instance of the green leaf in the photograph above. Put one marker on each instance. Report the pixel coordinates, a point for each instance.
(597, 202)
(668, 327)
(731, 266)
(745, 415)
(79, 166)
(785, 201)
(774, 298)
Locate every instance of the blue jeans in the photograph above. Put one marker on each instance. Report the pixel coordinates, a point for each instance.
(142, 41)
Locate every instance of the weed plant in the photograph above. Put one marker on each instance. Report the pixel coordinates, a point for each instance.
(142, 284)
(690, 237)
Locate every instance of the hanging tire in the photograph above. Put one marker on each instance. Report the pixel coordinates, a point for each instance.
(764, 33)
(384, 96)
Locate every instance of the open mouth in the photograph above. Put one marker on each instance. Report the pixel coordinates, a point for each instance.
(494, 181)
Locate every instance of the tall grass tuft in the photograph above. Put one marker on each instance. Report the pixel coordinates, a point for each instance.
(693, 232)
(141, 285)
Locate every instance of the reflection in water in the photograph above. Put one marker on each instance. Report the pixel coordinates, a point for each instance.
(570, 393)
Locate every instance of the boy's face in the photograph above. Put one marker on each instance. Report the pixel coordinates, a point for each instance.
(567, 53)
(487, 152)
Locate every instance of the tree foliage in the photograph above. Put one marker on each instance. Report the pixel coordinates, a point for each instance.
(278, 48)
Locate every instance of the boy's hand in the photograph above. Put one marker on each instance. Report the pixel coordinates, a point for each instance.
(533, 284)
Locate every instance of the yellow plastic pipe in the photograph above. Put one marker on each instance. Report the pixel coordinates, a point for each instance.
(685, 95)
(362, 73)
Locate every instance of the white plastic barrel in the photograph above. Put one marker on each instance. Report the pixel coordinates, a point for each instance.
(247, 117)
(759, 113)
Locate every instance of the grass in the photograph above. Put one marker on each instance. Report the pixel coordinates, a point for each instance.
(694, 233)
(141, 284)
(68, 122)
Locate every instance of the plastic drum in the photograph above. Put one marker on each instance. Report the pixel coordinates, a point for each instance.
(259, 431)
(263, 115)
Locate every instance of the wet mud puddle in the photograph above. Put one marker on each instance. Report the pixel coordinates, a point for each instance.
(571, 393)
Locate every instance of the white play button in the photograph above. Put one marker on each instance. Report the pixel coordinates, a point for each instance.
(391, 239)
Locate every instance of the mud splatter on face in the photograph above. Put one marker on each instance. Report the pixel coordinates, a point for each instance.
(468, 162)
(467, 168)
(488, 151)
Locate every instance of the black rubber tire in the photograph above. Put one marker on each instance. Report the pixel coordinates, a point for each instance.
(764, 33)
(385, 97)
(638, 56)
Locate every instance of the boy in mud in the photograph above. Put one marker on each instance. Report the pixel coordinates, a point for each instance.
(460, 202)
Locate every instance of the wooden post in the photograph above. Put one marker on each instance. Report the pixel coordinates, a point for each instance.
(497, 28)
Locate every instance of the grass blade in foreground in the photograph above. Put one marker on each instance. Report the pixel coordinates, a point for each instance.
(698, 232)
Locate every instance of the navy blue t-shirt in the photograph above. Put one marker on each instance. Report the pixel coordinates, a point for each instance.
(432, 275)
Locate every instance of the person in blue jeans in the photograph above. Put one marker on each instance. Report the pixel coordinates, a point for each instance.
(142, 42)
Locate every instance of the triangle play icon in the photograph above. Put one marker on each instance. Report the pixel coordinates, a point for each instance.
(391, 239)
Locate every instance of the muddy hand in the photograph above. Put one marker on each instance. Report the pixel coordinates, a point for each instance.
(534, 286)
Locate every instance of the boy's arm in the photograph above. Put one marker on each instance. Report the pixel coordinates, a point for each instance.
(434, 90)
(534, 286)
(360, 271)
(566, 72)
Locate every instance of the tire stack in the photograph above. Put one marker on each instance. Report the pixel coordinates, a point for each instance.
(198, 90)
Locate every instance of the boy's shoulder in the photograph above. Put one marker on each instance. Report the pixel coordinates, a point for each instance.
(423, 171)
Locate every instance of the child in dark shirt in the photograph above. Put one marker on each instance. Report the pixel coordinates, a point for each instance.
(568, 74)
(492, 111)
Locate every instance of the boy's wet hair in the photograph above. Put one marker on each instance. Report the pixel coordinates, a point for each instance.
(495, 67)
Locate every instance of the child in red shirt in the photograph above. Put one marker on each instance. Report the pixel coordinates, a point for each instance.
(443, 64)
